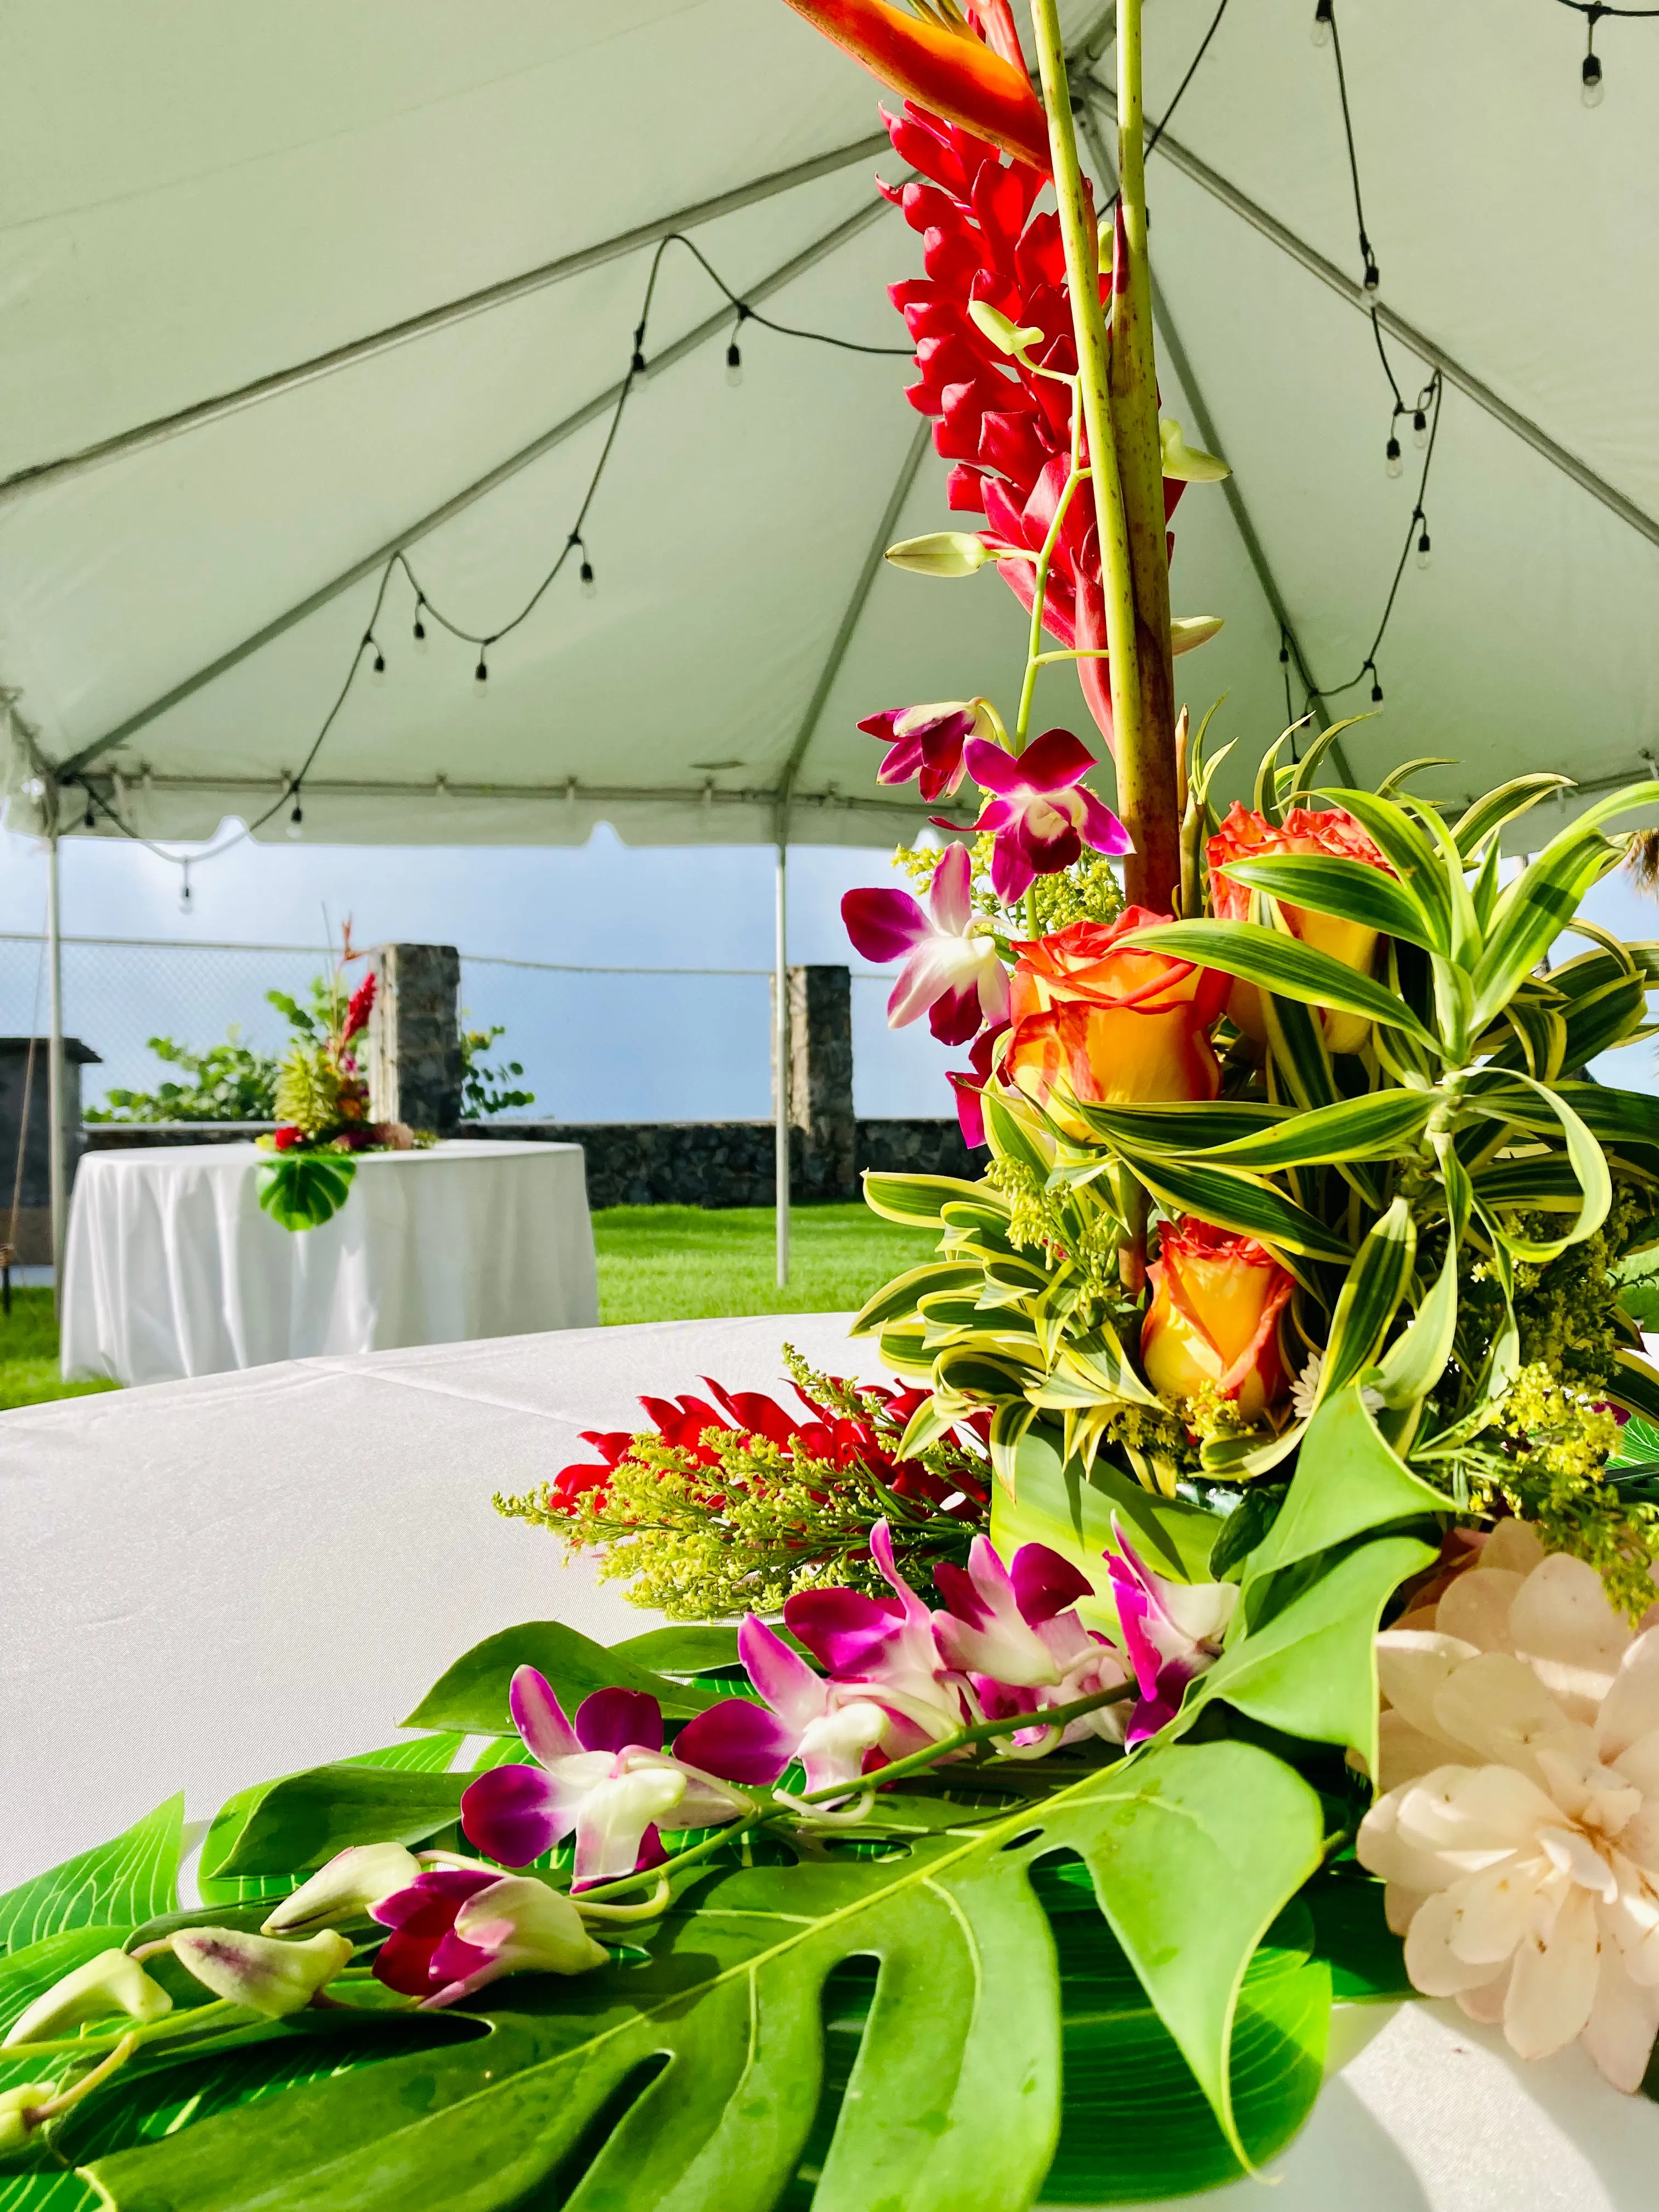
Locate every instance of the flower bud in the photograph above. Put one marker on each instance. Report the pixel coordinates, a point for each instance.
(353, 1881)
(16, 2108)
(995, 325)
(267, 1976)
(523, 1924)
(941, 553)
(111, 1982)
(1186, 464)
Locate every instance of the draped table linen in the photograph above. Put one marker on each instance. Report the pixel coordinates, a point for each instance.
(174, 1270)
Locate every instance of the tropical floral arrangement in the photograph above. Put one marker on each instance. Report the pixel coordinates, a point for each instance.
(1242, 1602)
(322, 1105)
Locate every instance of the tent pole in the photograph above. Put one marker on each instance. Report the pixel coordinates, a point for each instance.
(780, 1051)
(55, 1072)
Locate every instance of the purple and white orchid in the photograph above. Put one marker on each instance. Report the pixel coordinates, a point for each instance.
(1015, 1632)
(455, 1929)
(1171, 1632)
(1040, 813)
(832, 1728)
(951, 973)
(608, 1778)
(927, 742)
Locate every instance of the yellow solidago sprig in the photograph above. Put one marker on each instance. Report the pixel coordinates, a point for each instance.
(1550, 1467)
(704, 1519)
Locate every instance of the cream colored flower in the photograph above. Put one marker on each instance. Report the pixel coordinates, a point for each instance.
(1519, 1830)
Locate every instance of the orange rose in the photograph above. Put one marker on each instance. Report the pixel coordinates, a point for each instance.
(1247, 837)
(1216, 1299)
(1094, 1021)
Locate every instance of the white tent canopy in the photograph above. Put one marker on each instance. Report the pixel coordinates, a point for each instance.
(232, 247)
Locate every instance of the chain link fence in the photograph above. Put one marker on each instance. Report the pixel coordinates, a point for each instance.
(595, 1044)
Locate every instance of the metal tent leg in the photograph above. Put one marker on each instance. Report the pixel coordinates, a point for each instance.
(781, 1063)
(55, 1074)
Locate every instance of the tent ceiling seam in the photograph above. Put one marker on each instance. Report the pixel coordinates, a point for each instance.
(1181, 361)
(200, 413)
(589, 412)
(1434, 356)
(849, 621)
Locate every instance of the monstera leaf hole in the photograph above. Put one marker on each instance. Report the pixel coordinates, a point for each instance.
(1134, 2125)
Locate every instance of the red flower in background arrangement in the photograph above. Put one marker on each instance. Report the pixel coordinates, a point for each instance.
(358, 1010)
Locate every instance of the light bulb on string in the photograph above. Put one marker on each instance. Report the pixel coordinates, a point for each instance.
(420, 627)
(585, 582)
(1393, 462)
(91, 820)
(1371, 285)
(1420, 429)
(733, 365)
(296, 820)
(1423, 548)
(481, 678)
(1376, 684)
(184, 887)
(1591, 87)
(1321, 33)
(377, 667)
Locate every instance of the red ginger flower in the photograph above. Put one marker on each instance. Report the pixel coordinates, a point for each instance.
(358, 1009)
(1007, 430)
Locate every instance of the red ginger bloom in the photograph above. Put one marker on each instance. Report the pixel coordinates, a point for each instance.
(1007, 430)
(358, 1010)
(838, 1438)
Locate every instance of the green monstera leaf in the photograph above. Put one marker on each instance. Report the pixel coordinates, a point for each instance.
(302, 1190)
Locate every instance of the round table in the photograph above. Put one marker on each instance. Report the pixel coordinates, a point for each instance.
(214, 1582)
(172, 1269)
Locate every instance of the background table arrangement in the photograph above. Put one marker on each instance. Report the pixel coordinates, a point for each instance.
(174, 1268)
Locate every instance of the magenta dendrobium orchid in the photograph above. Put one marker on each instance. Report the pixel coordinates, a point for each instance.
(951, 973)
(607, 1777)
(927, 742)
(835, 1730)
(1171, 1632)
(455, 1929)
(1038, 810)
(1015, 1632)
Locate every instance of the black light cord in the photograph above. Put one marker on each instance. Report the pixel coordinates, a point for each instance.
(1416, 531)
(1367, 254)
(424, 604)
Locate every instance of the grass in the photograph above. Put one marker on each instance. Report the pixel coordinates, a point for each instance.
(28, 1354)
(681, 1263)
(656, 1263)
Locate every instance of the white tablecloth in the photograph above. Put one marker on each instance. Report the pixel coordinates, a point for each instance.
(213, 1582)
(174, 1270)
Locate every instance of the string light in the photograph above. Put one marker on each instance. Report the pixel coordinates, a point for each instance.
(1395, 461)
(1590, 86)
(184, 887)
(733, 355)
(481, 678)
(296, 820)
(420, 627)
(1376, 683)
(1422, 542)
(1320, 34)
(1419, 428)
(378, 669)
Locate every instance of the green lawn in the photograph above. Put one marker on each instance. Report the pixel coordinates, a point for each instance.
(656, 1263)
(681, 1263)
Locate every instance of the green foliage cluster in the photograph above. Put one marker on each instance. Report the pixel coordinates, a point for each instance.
(486, 1090)
(228, 1082)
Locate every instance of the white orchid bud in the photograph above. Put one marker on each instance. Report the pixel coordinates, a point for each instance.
(1186, 631)
(266, 1976)
(17, 2107)
(344, 1889)
(1002, 333)
(106, 1985)
(524, 1923)
(941, 553)
(1185, 463)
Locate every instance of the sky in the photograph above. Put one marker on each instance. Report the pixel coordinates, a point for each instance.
(658, 1048)
(593, 1048)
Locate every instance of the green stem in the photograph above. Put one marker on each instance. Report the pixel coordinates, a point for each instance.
(1034, 655)
(919, 1762)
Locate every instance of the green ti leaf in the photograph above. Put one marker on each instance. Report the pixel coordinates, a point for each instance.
(121, 1882)
(917, 1201)
(1235, 1200)
(1380, 1125)
(1354, 890)
(1379, 1280)
(471, 1695)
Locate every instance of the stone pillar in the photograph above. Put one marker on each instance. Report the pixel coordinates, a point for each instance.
(821, 1083)
(34, 1246)
(415, 1037)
